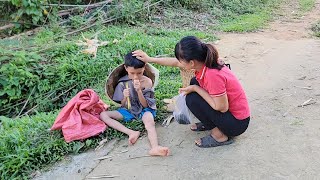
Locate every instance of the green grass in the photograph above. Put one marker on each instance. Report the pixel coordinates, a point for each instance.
(26, 144)
(245, 23)
(306, 5)
(257, 18)
(62, 65)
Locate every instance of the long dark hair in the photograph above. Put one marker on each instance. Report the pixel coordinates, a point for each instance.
(191, 48)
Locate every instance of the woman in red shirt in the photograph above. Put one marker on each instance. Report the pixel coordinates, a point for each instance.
(215, 96)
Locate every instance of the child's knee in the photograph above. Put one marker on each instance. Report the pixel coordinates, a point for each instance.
(149, 123)
(104, 115)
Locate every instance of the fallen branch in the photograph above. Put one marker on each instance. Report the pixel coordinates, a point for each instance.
(50, 100)
(6, 27)
(108, 20)
(79, 5)
(28, 33)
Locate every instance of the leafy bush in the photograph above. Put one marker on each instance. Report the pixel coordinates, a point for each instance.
(316, 29)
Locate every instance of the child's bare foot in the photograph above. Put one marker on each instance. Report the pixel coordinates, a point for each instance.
(159, 151)
(133, 137)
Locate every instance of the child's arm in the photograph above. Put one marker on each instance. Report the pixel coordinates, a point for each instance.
(123, 102)
(126, 94)
(142, 99)
(120, 94)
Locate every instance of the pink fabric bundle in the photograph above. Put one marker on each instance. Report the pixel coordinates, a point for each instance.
(79, 119)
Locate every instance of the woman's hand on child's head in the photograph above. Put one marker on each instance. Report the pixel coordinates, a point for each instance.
(126, 92)
(139, 54)
(187, 90)
(137, 85)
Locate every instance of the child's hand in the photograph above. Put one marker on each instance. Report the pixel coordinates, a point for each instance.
(126, 92)
(137, 85)
(139, 54)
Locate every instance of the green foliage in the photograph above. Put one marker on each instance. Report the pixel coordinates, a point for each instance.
(306, 5)
(27, 145)
(242, 19)
(245, 23)
(47, 77)
(192, 4)
(20, 73)
(316, 29)
(30, 11)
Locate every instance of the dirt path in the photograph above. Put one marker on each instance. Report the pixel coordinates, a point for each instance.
(280, 69)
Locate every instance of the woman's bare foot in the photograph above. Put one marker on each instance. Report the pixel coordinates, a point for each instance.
(133, 137)
(159, 151)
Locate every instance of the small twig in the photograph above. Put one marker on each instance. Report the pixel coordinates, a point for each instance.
(28, 111)
(140, 157)
(101, 144)
(180, 143)
(104, 157)
(103, 176)
(27, 101)
(155, 164)
(308, 88)
(50, 100)
(286, 113)
(124, 151)
(63, 93)
(305, 103)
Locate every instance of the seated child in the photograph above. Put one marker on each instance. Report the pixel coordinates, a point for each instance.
(135, 93)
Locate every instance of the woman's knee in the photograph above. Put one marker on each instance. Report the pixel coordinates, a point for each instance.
(191, 99)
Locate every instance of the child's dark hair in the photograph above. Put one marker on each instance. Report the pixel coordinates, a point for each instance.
(191, 48)
(131, 61)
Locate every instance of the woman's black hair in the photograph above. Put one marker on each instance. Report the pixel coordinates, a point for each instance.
(132, 61)
(191, 48)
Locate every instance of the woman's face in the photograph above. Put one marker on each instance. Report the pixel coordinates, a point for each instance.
(187, 65)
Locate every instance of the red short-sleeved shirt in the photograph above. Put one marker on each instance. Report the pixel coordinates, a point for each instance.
(219, 82)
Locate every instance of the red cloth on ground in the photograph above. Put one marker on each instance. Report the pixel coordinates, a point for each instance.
(79, 119)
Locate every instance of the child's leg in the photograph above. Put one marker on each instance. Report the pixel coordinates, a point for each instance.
(149, 124)
(109, 118)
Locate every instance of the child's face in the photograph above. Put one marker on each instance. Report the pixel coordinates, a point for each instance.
(135, 74)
